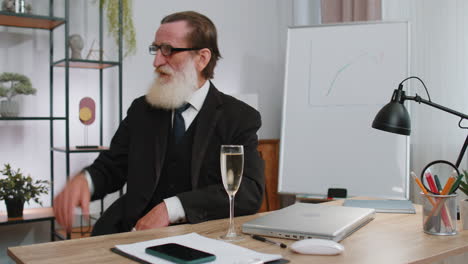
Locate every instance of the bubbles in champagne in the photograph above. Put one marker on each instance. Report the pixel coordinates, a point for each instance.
(232, 165)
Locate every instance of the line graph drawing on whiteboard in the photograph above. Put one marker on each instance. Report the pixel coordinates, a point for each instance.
(374, 58)
(348, 75)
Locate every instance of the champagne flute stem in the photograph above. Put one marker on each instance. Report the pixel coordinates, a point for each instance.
(232, 229)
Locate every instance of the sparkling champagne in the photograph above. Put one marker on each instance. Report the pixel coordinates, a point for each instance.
(232, 165)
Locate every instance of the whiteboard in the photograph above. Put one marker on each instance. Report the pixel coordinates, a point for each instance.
(337, 78)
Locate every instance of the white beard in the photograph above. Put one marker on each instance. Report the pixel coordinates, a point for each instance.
(173, 93)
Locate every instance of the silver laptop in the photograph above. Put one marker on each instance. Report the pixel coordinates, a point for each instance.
(305, 220)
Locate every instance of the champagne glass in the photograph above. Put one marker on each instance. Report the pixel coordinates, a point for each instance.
(232, 166)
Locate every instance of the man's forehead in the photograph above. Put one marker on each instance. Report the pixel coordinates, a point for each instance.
(173, 33)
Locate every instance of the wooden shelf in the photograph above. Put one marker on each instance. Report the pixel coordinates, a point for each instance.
(29, 215)
(86, 64)
(81, 150)
(31, 118)
(29, 21)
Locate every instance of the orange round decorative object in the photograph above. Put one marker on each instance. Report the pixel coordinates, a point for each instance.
(87, 112)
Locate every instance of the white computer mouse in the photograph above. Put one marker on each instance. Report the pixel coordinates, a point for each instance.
(315, 246)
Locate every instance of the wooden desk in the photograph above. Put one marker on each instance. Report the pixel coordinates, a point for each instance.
(389, 238)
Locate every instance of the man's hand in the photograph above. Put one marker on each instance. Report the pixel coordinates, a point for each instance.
(76, 193)
(157, 217)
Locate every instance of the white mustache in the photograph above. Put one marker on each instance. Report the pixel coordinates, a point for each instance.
(164, 69)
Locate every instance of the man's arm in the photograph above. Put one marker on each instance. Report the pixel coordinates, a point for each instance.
(155, 218)
(170, 211)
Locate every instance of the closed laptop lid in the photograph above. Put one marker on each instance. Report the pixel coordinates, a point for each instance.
(303, 220)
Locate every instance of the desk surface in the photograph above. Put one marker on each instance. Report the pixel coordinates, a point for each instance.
(389, 238)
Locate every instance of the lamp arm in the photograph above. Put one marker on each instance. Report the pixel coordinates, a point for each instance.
(418, 99)
(462, 152)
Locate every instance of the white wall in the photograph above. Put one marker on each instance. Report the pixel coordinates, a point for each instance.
(307, 12)
(252, 39)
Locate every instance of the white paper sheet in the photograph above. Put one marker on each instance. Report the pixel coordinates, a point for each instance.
(225, 252)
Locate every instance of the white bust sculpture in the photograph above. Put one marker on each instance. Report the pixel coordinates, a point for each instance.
(76, 45)
(8, 5)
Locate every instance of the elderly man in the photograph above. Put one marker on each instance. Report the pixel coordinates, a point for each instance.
(167, 149)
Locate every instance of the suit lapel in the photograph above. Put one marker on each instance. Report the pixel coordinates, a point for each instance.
(161, 134)
(207, 119)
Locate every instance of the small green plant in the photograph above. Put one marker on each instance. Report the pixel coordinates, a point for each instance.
(19, 84)
(464, 183)
(16, 186)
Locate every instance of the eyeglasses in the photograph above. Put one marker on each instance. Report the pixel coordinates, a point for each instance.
(166, 49)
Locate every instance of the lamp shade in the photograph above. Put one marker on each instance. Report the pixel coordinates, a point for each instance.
(393, 117)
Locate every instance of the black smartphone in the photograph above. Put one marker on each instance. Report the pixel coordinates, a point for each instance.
(180, 254)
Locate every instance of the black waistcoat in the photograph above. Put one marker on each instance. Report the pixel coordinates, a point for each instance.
(175, 175)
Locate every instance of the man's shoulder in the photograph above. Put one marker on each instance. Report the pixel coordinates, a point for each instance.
(140, 102)
(237, 113)
(140, 106)
(234, 105)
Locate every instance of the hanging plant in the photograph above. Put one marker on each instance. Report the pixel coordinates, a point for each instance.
(111, 8)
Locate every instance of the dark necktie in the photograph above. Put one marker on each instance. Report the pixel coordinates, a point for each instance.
(179, 123)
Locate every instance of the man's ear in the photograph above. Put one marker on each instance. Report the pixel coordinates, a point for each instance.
(204, 56)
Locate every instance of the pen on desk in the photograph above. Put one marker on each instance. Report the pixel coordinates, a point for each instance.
(448, 186)
(422, 187)
(456, 184)
(431, 183)
(437, 182)
(263, 239)
(439, 187)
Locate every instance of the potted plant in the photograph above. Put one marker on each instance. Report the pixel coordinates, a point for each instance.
(17, 84)
(16, 189)
(464, 203)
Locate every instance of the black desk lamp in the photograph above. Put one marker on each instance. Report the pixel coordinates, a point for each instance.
(394, 117)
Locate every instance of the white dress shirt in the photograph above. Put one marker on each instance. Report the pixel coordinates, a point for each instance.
(174, 207)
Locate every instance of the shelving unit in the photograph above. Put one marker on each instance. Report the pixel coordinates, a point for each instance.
(45, 23)
(67, 63)
(50, 23)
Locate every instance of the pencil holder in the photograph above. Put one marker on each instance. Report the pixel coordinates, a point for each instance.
(440, 214)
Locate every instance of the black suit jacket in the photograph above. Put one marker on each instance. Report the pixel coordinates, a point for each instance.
(137, 153)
